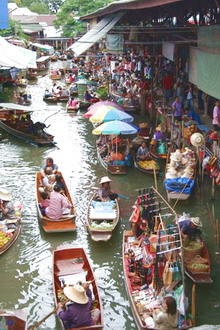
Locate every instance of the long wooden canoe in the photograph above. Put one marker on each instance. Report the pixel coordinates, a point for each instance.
(16, 318)
(64, 224)
(200, 277)
(101, 224)
(69, 261)
(15, 233)
(9, 126)
(145, 170)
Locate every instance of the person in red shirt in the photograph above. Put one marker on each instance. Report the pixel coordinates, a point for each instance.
(168, 86)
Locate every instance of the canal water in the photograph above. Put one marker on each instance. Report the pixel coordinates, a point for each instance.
(26, 268)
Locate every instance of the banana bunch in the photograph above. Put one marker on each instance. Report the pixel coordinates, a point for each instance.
(148, 164)
(3, 238)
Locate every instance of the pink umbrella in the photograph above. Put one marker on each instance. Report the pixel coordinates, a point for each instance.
(94, 107)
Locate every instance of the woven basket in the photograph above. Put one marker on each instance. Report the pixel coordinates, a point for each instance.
(190, 254)
(198, 270)
(196, 260)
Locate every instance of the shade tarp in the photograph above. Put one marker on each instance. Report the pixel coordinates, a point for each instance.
(168, 50)
(114, 42)
(193, 65)
(208, 36)
(48, 48)
(95, 34)
(14, 56)
(208, 73)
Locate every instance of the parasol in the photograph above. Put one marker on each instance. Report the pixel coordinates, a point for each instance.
(116, 127)
(108, 113)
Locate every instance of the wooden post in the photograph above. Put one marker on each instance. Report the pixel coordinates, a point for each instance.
(193, 306)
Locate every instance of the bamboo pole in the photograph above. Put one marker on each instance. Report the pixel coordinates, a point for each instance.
(37, 324)
(155, 178)
(193, 306)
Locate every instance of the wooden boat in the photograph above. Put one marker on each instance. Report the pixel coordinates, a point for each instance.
(146, 254)
(17, 319)
(31, 75)
(54, 58)
(42, 63)
(102, 219)
(5, 244)
(113, 169)
(183, 186)
(64, 224)
(55, 98)
(10, 126)
(55, 76)
(73, 261)
(147, 170)
(200, 277)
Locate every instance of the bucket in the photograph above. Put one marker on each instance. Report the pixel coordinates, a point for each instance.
(162, 148)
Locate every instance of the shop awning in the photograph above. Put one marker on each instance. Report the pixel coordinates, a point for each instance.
(95, 34)
(47, 48)
(14, 56)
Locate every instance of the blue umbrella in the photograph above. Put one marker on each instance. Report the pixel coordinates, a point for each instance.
(116, 127)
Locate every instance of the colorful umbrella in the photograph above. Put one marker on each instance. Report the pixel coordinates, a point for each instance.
(98, 104)
(109, 114)
(93, 110)
(116, 127)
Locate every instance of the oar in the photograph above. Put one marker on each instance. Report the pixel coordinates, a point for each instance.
(51, 115)
(123, 196)
(37, 324)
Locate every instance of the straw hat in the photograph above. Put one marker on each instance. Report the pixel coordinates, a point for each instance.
(5, 195)
(197, 139)
(196, 221)
(143, 125)
(76, 293)
(158, 128)
(105, 179)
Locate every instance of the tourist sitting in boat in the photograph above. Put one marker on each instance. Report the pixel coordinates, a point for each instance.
(78, 312)
(58, 203)
(189, 228)
(73, 103)
(143, 153)
(47, 94)
(165, 317)
(63, 92)
(49, 163)
(87, 96)
(73, 88)
(144, 130)
(105, 193)
(55, 89)
(45, 201)
(6, 207)
(60, 183)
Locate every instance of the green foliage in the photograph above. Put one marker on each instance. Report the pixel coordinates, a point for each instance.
(102, 92)
(13, 30)
(71, 8)
(39, 7)
(55, 5)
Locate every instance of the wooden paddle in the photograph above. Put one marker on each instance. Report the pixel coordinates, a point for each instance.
(37, 324)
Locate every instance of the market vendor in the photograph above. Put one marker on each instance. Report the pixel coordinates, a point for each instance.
(79, 311)
(189, 228)
(6, 207)
(105, 193)
(165, 317)
(143, 153)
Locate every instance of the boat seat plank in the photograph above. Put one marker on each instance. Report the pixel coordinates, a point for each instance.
(67, 267)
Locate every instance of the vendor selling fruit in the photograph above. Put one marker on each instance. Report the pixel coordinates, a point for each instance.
(143, 153)
(189, 228)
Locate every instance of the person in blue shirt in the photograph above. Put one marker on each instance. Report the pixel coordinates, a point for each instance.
(189, 228)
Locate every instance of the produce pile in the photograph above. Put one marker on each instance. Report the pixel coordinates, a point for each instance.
(192, 245)
(149, 164)
(4, 238)
(104, 225)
